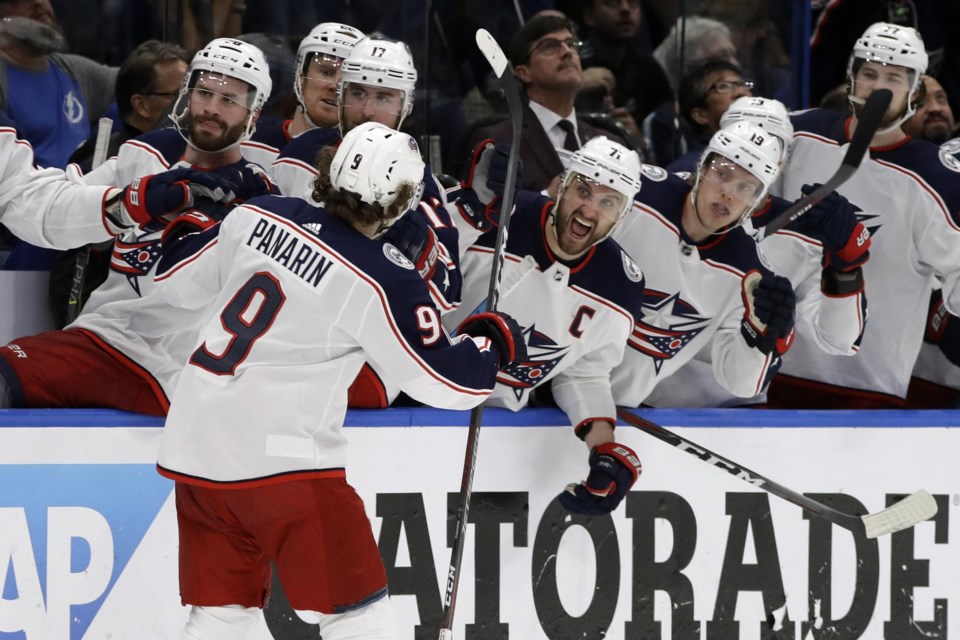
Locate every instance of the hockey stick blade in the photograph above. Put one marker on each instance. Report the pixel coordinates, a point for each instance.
(504, 72)
(867, 124)
(906, 513)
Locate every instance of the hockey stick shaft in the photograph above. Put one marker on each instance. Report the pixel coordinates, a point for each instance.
(911, 510)
(867, 125)
(504, 71)
(74, 303)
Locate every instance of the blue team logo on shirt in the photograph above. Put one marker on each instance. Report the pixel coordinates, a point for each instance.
(65, 539)
(544, 354)
(134, 259)
(666, 326)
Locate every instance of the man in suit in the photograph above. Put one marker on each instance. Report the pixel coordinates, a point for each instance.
(546, 59)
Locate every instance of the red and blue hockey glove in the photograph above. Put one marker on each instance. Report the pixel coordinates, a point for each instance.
(614, 467)
(482, 188)
(502, 330)
(187, 222)
(164, 194)
(833, 221)
(943, 329)
(414, 238)
(769, 304)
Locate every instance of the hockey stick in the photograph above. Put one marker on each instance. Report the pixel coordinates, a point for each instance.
(867, 124)
(504, 72)
(912, 510)
(104, 127)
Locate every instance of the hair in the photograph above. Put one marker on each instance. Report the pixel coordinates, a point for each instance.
(138, 73)
(347, 204)
(693, 86)
(533, 30)
(695, 31)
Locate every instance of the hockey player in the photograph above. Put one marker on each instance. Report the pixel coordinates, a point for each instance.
(706, 282)
(575, 292)
(908, 196)
(821, 253)
(126, 348)
(42, 207)
(317, 65)
(260, 481)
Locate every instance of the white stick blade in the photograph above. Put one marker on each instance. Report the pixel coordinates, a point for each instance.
(912, 510)
(446, 634)
(491, 51)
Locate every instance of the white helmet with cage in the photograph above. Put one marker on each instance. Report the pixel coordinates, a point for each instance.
(603, 162)
(328, 39)
(750, 148)
(766, 113)
(372, 161)
(235, 59)
(892, 44)
(380, 63)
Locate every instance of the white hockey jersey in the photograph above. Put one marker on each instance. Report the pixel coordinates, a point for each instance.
(41, 206)
(692, 298)
(909, 196)
(293, 301)
(576, 316)
(124, 311)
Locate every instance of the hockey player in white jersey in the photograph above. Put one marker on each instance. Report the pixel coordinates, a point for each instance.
(821, 253)
(908, 197)
(575, 292)
(706, 281)
(266, 280)
(319, 58)
(127, 346)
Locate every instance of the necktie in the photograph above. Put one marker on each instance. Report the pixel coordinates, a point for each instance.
(570, 142)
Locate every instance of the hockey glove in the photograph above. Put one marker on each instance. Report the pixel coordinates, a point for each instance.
(482, 188)
(414, 238)
(503, 332)
(161, 195)
(249, 181)
(769, 303)
(833, 221)
(187, 222)
(943, 329)
(614, 467)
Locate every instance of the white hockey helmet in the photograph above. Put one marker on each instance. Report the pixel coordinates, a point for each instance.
(380, 63)
(372, 161)
(608, 163)
(750, 148)
(766, 113)
(891, 44)
(233, 58)
(331, 39)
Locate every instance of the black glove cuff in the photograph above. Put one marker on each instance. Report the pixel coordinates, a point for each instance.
(841, 283)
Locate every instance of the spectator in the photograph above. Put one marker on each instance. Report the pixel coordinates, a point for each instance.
(546, 59)
(614, 66)
(35, 71)
(706, 92)
(147, 82)
(933, 120)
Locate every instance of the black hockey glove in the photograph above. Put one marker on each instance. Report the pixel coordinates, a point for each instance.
(249, 181)
(502, 331)
(482, 188)
(943, 329)
(769, 303)
(164, 194)
(614, 467)
(414, 238)
(833, 221)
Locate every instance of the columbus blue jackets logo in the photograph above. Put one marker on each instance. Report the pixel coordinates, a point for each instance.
(134, 259)
(948, 154)
(396, 257)
(666, 326)
(543, 356)
(653, 172)
(630, 267)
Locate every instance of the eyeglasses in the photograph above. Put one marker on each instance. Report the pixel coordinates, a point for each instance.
(726, 86)
(551, 46)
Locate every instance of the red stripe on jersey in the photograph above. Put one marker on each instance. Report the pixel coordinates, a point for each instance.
(156, 154)
(933, 194)
(297, 163)
(259, 145)
(311, 474)
(187, 261)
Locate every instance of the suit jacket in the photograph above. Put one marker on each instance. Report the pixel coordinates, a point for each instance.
(541, 164)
